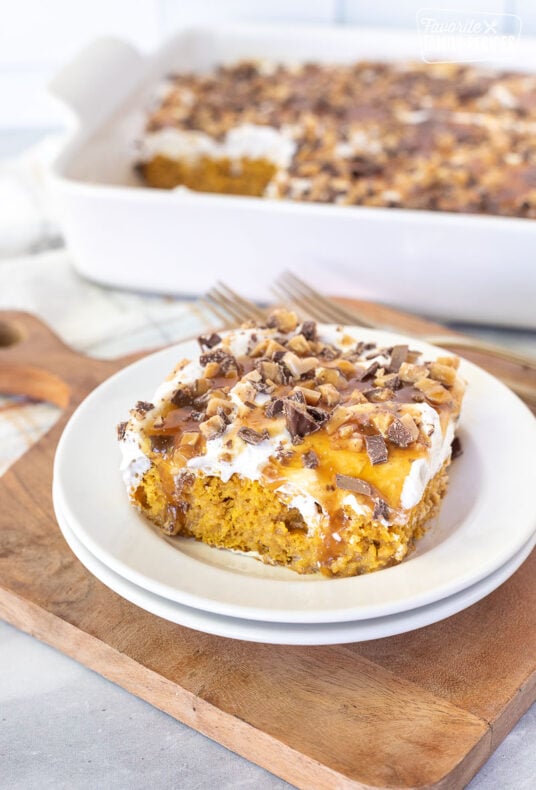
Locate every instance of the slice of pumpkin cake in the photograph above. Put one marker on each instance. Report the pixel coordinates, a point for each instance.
(297, 442)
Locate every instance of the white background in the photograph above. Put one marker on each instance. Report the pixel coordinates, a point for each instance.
(38, 36)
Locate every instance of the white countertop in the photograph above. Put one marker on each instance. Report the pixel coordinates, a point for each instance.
(62, 725)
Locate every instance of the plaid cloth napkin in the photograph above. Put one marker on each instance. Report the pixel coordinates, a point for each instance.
(97, 321)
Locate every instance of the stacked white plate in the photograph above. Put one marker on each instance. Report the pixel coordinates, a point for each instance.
(486, 528)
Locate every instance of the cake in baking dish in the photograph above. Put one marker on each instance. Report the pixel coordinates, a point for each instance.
(445, 137)
(298, 443)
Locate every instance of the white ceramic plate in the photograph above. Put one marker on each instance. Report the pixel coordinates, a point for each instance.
(290, 633)
(487, 517)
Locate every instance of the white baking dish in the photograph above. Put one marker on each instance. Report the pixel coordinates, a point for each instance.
(466, 267)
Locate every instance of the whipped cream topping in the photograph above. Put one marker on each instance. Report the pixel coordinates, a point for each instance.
(424, 469)
(247, 141)
(301, 487)
(134, 462)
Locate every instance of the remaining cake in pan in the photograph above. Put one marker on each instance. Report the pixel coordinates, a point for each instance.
(444, 137)
(296, 442)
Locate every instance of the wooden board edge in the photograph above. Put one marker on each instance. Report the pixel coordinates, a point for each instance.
(520, 703)
(262, 749)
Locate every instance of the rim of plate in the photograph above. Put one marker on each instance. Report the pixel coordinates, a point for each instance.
(486, 517)
(293, 633)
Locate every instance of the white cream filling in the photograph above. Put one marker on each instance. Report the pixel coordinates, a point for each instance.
(310, 510)
(247, 141)
(351, 501)
(134, 463)
(248, 462)
(424, 469)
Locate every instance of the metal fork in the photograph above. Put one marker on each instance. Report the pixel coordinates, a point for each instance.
(232, 309)
(290, 288)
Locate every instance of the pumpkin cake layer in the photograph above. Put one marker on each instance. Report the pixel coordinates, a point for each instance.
(298, 443)
(445, 137)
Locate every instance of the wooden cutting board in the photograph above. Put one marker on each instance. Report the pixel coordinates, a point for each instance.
(424, 709)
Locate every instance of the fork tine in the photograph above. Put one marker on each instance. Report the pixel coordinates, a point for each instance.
(321, 306)
(314, 302)
(251, 308)
(344, 313)
(225, 320)
(231, 307)
(225, 306)
(302, 306)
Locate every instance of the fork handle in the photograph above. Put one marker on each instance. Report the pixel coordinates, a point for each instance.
(456, 341)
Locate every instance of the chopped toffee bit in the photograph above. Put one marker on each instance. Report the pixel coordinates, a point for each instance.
(376, 352)
(302, 420)
(299, 365)
(398, 356)
(355, 484)
(209, 341)
(408, 421)
(262, 386)
(310, 459)
(223, 413)
(300, 345)
(215, 404)
(225, 360)
(121, 429)
(445, 374)
(329, 352)
(160, 444)
(297, 395)
(283, 320)
(379, 394)
(434, 391)
(184, 396)
(457, 448)
(212, 370)
(311, 397)
(308, 330)
(213, 427)
(143, 406)
(411, 373)
(283, 454)
(390, 380)
(329, 394)
(250, 436)
(398, 434)
(367, 372)
(274, 407)
(270, 371)
(381, 510)
(376, 449)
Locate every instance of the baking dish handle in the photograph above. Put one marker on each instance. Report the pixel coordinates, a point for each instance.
(97, 80)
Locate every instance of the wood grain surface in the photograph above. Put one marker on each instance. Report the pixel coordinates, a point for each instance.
(420, 710)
